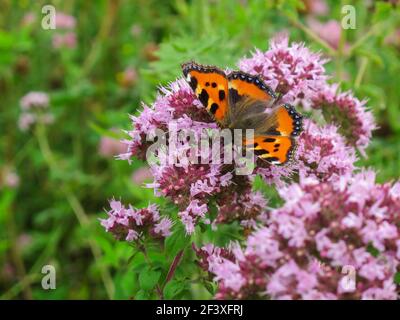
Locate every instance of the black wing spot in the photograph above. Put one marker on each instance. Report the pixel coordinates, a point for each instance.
(259, 152)
(214, 85)
(221, 94)
(193, 83)
(275, 150)
(277, 145)
(214, 107)
(207, 84)
(203, 97)
(269, 140)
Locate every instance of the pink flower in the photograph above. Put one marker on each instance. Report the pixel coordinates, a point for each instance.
(29, 19)
(34, 99)
(323, 153)
(329, 31)
(128, 77)
(353, 118)
(9, 178)
(292, 70)
(65, 21)
(278, 260)
(131, 224)
(34, 107)
(66, 40)
(317, 7)
(25, 121)
(163, 227)
(141, 175)
(109, 147)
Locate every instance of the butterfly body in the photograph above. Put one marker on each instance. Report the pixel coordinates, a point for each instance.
(242, 101)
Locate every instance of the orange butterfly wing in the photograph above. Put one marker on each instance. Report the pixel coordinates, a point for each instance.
(277, 143)
(242, 84)
(210, 86)
(274, 149)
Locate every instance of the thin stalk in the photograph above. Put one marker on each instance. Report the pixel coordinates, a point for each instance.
(173, 267)
(340, 53)
(361, 72)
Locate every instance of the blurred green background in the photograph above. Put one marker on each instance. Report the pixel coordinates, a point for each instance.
(55, 180)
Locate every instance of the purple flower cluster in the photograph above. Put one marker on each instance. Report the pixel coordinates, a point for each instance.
(127, 223)
(323, 152)
(352, 117)
(34, 108)
(325, 233)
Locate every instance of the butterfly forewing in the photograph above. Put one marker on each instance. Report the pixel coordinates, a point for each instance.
(242, 85)
(210, 85)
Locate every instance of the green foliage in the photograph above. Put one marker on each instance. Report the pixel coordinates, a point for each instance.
(176, 242)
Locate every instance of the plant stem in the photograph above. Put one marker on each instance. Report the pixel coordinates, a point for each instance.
(361, 72)
(76, 206)
(173, 267)
(340, 53)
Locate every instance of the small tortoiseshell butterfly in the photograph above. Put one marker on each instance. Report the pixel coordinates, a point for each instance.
(238, 100)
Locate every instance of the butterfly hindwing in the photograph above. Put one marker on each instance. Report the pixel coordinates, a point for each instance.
(210, 86)
(282, 120)
(274, 149)
(274, 135)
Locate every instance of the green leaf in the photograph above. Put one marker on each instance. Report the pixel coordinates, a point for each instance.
(173, 288)
(124, 284)
(142, 295)
(148, 278)
(210, 287)
(397, 278)
(372, 250)
(177, 241)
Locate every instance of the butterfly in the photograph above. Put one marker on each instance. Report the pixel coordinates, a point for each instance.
(238, 100)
